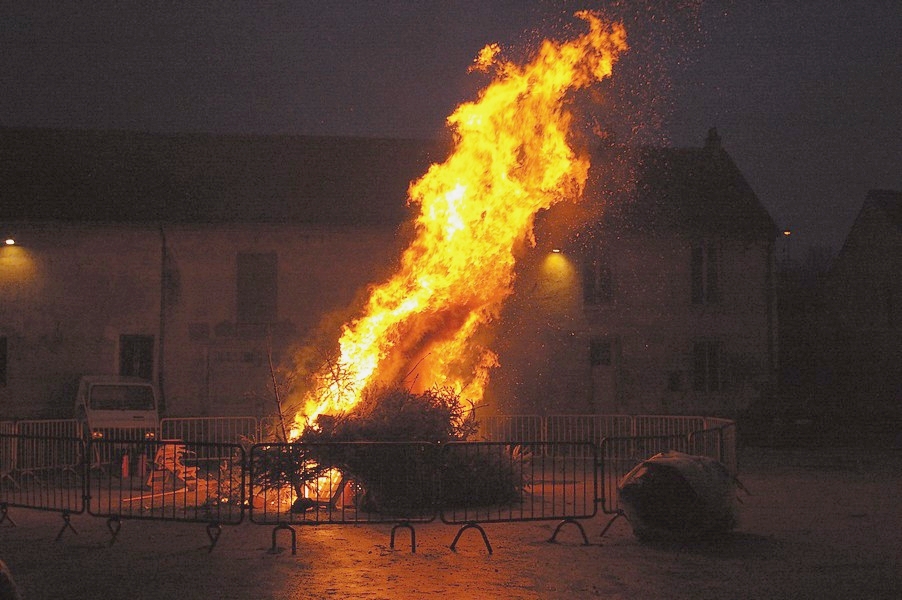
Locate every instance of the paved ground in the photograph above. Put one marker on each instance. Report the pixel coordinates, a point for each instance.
(825, 524)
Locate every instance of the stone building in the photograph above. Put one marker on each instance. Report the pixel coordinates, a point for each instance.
(198, 260)
(860, 325)
(664, 302)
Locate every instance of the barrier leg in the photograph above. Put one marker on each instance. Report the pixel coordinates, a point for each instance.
(214, 530)
(294, 538)
(477, 527)
(579, 526)
(67, 524)
(114, 525)
(4, 514)
(413, 536)
(611, 522)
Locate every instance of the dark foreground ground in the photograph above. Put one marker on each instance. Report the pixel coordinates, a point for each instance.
(818, 524)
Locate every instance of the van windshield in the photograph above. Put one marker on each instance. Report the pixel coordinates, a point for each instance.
(121, 397)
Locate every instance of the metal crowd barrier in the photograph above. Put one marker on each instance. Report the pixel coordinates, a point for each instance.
(498, 482)
(575, 466)
(8, 445)
(665, 425)
(557, 479)
(217, 433)
(587, 428)
(343, 482)
(462, 483)
(163, 480)
(718, 440)
(223, 430)
(34, 458)
(47, 475)
(49, 428)
(512, 428)
(212, 430)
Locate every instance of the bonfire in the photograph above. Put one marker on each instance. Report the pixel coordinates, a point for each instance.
(428, 326)
(421, 342)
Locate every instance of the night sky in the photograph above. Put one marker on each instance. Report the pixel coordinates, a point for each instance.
(806, 95)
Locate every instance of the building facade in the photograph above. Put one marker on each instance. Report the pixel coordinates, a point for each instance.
(207, 261)
(663, 301)
(860, 325)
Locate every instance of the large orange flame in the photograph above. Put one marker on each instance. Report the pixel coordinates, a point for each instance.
(510, 158)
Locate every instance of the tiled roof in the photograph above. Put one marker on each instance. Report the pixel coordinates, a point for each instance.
(697, 191)
(75, 175)
(119, 176)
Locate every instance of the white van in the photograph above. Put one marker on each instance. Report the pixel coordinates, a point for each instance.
(117, 407)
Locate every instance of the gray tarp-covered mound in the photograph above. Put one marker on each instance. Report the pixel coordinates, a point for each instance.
(674, 496)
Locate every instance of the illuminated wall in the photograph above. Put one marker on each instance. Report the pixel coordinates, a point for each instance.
(634, 352)
(217, 358)
(68, 293)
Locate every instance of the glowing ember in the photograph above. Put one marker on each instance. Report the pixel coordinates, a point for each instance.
(511, 158)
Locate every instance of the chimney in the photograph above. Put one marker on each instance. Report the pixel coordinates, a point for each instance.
(712, 142)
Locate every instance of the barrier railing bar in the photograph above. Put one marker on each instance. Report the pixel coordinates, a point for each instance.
(569, 470)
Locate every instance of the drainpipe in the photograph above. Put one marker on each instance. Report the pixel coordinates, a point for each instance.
(773, 337)
(161, 355)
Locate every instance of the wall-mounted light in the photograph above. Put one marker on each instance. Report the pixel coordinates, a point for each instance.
(556, 250)
(9, 241)
(787, 233)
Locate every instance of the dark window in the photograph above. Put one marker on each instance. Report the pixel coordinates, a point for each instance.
(136, 356)
(257, 291)
(598, 285)
(600, 351)
(706, 359)
(2, 361)
(704, 274)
